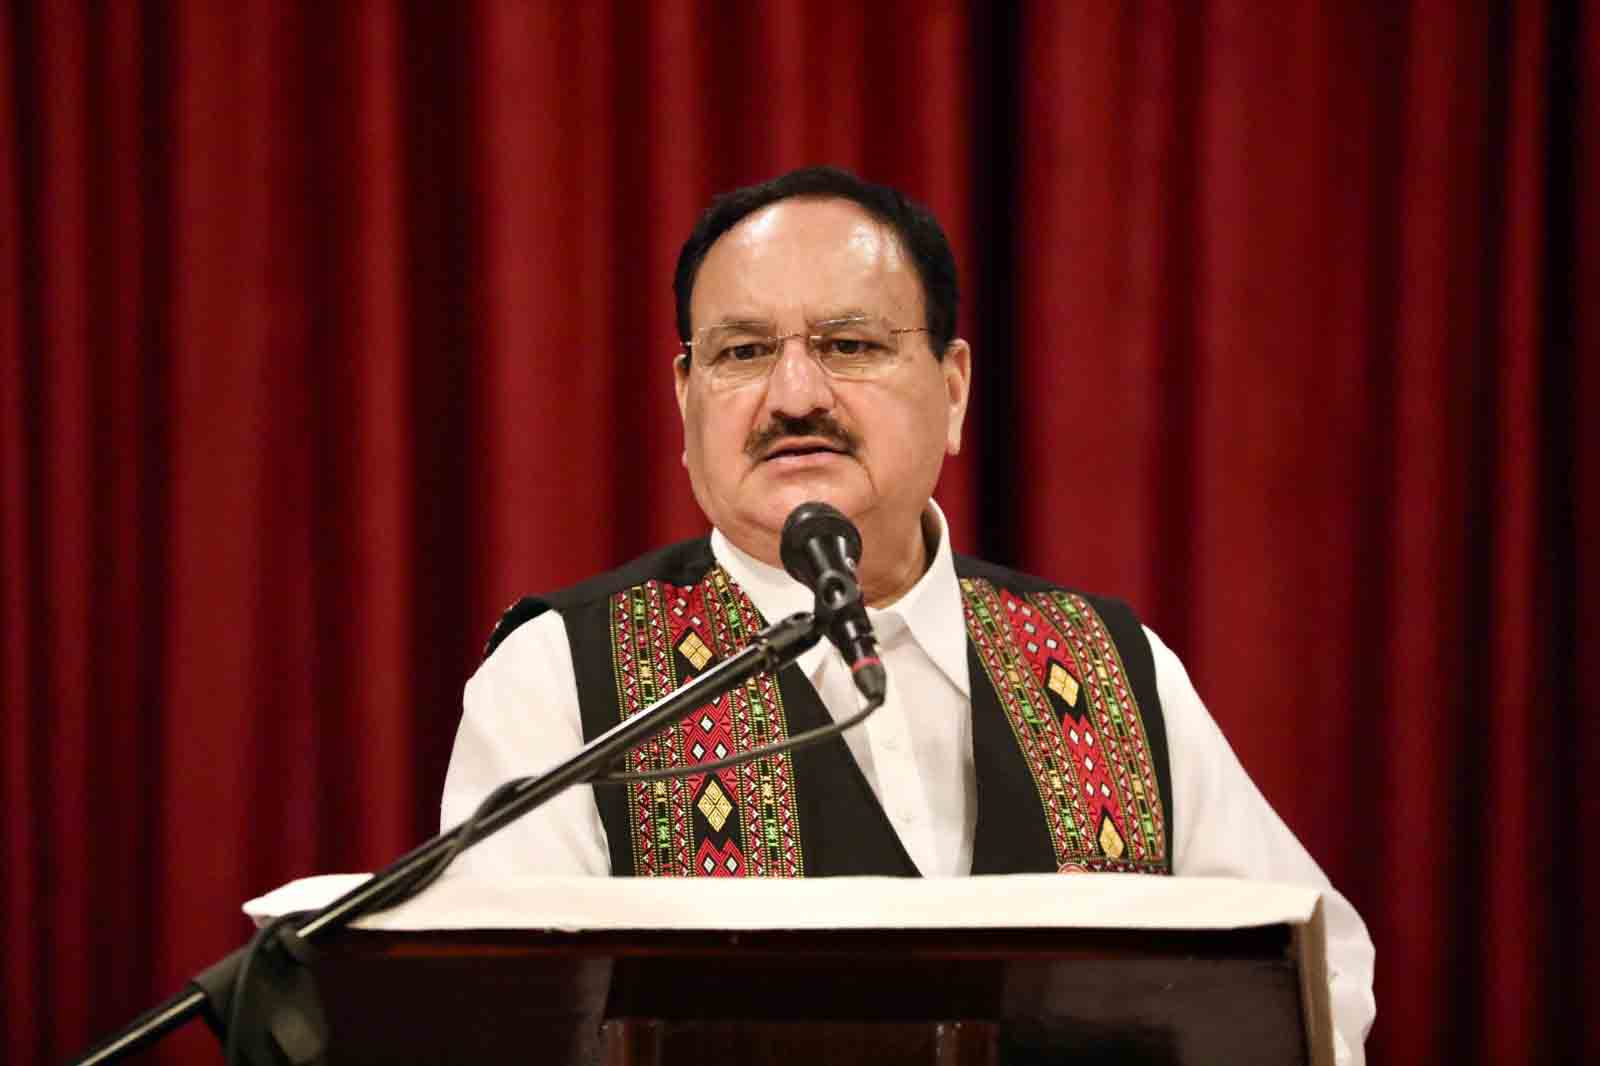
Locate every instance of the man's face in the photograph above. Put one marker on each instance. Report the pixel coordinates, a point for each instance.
(872, 448)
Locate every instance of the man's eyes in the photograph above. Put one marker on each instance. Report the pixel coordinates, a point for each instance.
(850, 347)
(745, 351)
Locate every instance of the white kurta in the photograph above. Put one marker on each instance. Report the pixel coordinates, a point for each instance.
(521, 716)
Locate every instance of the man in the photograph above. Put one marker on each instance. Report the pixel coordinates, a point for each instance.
(820, 362)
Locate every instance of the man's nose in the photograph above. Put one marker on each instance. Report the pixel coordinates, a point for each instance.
(798, 385)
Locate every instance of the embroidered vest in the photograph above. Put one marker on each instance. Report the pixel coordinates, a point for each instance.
(1068, 741)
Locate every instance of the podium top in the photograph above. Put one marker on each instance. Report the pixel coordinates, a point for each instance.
(1018, 901)
(1217, 965)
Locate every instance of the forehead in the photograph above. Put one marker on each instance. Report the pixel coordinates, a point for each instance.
(799, 258)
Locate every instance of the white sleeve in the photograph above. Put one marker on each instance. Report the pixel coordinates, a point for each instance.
(520, 717)
(1224, 827)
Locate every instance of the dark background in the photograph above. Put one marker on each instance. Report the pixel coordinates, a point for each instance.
(327, 330)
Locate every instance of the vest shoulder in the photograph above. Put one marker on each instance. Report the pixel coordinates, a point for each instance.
(1018, 581)
(683, 563)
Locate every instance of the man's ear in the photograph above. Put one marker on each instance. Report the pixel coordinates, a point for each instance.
(680, 381)
(957, 369)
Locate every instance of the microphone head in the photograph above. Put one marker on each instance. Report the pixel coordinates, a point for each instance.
(805, 524)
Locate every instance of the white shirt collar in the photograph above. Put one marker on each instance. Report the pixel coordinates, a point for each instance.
(931, 610)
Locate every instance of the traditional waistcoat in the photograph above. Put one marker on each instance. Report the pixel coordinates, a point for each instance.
(1068, 743)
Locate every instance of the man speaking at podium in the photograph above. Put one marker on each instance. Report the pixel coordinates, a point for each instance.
(1027, 727)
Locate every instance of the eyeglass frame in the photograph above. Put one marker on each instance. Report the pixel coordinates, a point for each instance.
(813, 340)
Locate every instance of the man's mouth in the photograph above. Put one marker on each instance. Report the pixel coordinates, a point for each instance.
(789, 449)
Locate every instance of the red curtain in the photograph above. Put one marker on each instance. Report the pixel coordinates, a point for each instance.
(325, 331)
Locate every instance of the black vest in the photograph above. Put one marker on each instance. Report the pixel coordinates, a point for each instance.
(1069, 745)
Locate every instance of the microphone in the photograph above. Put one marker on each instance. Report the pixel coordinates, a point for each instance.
(820, 548)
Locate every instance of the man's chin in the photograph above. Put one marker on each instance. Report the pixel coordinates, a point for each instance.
(758, 527)
(786, 498)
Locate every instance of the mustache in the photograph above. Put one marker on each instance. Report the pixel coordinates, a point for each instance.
(819, 425)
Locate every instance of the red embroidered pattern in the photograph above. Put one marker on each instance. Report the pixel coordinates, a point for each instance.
(1113, 708)
(1092, 766)
(748, 811)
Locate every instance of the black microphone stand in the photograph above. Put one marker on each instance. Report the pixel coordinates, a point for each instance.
(287, 1026)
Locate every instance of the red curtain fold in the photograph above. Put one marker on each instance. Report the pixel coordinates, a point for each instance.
(1575, 514)
(326, 332)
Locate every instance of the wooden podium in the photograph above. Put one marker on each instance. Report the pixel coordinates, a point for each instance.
(1254, 994)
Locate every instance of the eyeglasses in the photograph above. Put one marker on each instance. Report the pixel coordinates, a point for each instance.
(734, 354)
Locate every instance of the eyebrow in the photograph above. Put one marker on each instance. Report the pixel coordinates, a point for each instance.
(764, 325)
(841, 314)
(833, 316)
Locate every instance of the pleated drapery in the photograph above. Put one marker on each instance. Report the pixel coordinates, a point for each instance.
(328, 330)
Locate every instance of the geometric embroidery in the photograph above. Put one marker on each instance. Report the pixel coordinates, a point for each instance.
(714, 805)
(1063, 684)
(1048, 657)
(694, 649)
(712, 861)
(1110, 840)
(739, 821)
(1091, 767)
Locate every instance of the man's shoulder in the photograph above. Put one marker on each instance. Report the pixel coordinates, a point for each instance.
(1027, 584)
(682, 563)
